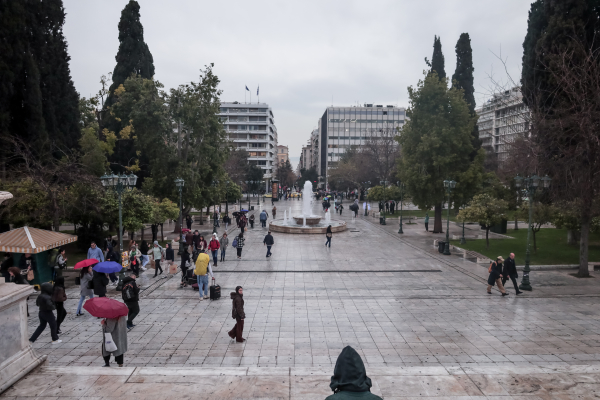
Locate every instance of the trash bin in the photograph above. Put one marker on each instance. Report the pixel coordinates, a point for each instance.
(381, 221)
(441, 246)
(252, 208)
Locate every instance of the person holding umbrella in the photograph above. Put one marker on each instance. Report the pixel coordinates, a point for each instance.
(114, 326)
(100, 279)
(85, 276)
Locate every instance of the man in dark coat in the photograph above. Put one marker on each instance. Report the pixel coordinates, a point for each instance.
(392, 206)
(350, 380)
(46, 305)
(510, 271)
(100, 281)
(237, 312)
(269, 241)
(131, 298)
(111, 255)
(496, 276)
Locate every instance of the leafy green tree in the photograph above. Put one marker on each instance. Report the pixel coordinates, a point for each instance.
(310, 175)
(133, 56)
(463, 79)
(485, 210)
(437, 60)
(285, 174)
(30, 205)
(161, 212)
(436, 143)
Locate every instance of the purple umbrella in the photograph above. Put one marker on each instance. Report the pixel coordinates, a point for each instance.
(107, 267)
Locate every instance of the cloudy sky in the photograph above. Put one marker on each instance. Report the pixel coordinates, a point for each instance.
(305, 55)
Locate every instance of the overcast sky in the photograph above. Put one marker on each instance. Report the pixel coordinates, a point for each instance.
(305, 55)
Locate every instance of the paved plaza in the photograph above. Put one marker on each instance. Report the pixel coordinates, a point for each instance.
(422, 322)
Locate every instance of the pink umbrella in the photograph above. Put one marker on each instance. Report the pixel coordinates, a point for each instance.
(103, 307)
(86, 263)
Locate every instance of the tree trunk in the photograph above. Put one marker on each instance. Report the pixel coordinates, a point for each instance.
(534, 240)
(177, 228)
(573, 237)
(516, 222)
(154, 228)
(143, 226)
(162, 235)
(583, 249)
(437, 222)
(487, 239)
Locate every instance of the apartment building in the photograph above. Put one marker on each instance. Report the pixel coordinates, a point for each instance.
(252, 127)
(502, 119)
(282, 154)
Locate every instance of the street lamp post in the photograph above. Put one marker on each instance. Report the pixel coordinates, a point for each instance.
(531, 185)
(215, 183)
(449, 185)
(401, 187)
(384, 183)
(256, 190)
(179, 183)
(227, 197)
(248, 193)
(119, 183)
(462, 238)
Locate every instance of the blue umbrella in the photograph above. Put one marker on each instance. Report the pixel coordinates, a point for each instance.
(107, 267)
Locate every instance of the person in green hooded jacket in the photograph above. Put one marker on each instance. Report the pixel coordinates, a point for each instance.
(350, 380)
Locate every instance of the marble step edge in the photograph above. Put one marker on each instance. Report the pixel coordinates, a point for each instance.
(317, 371)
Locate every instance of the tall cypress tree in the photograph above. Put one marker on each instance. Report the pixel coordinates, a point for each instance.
(134, 56)
(38, 101)
(60, 100)
(437, 60)
(463, 79)
(532, 69)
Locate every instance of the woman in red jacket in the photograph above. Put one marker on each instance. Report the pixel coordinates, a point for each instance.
(214, 247)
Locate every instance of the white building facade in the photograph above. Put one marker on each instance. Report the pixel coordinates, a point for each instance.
(252, 127)
(502, 119)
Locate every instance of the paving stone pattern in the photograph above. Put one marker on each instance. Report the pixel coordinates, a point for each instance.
(396, 301)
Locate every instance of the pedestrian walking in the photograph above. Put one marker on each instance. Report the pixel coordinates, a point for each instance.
(46, 306)
(226, 220)
(111, 255)
(59, 297)
(328, 235)
(510, 271)
(85, 276)
(188, 221)
(341, 208)
(95, 252)
(387, 207)
(242, 223)
(116, 328)
(263, 219)
(60, 263)
(392, 206)
(169, 254)
(268, 241)
(196, 238)
(237, 313)
(495, 271)
(131, 298)
(239, 245)
(251, 220)
(426, 222)
(144, 249)
(15, 276)
(201, 271)
(350, 380)
(158, 254)
(99, 283)
(134, 262)
(186, 263)
(274, 211)
(380, 206)
(224, 244)
(214, 247)
(202, 244)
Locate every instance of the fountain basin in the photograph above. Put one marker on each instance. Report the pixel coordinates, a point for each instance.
(320, 228)
(310, 219)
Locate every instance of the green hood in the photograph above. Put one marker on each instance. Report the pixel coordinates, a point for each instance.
(350, 374)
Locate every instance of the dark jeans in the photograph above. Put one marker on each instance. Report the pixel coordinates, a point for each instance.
(263, 223)
(157, 266)
(183, 274)
(328, 242)
(239, 251)
(134, 310)
(113, 277)
(46, 318)
(238, 329)
(427, 226)
(513, 278)
(61, 313)
(268, 251)
(118, 359)
(222, 253)
(251, 224)
(215, 253)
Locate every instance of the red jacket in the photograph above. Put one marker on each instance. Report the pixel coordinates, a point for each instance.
(214, 244)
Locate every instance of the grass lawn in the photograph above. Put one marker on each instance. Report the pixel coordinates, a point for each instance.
(552, 247)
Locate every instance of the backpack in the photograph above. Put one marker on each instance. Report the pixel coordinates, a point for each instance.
(235, 242)
(127, 292)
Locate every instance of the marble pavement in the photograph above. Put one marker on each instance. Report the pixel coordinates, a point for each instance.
(422, 322)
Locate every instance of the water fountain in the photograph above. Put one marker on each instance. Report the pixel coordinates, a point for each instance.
(306, 222)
